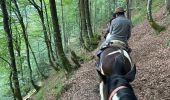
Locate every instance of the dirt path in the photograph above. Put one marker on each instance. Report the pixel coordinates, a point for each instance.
(153, 72)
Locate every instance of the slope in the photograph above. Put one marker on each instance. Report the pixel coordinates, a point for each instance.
(152, 56)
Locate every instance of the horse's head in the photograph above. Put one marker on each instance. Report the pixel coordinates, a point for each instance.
(117, 71)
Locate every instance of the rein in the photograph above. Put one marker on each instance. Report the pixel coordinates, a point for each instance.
(115, 91)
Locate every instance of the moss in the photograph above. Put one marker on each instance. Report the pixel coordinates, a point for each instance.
(59, 89)
(156, 27)
(54, 85)
(85, 58)
(168, 42)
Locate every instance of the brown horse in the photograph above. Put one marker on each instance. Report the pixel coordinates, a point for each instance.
(116, 71)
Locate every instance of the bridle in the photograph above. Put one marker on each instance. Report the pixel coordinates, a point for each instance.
(115, 91)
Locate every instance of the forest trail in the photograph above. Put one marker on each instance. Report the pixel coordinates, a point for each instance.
(149, 52)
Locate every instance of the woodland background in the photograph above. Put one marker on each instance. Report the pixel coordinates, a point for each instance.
(42, 37)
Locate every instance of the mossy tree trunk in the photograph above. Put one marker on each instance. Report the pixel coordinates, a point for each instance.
(115, 4)
(85, 41)
(167, 3)
(49, 30)
(65, 38)
(128, 6)
(14, 73)
(25, 35)
(62, 57)
(153, 24)
(110, 7)
(88, 19)
(75, 59)
(46, 37)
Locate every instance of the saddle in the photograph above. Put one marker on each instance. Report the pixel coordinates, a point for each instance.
(115, 43)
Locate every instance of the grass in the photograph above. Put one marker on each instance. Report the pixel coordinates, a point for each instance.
(168, 42)
(85, 58)
(59, 89)
(55, 84)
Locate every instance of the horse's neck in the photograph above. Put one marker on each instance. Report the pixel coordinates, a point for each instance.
(117, 81)
(122, 93)
(126, 94)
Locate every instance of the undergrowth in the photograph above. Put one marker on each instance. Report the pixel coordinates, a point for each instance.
(53, 86)
(140, 11)
(168, 42)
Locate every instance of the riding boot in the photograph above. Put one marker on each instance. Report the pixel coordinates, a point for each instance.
(129, 50)
(97, 64)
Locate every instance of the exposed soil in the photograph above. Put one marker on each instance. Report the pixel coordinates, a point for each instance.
(149, 52)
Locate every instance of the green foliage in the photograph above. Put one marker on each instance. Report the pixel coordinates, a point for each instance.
(84, 57)
(67, 2)
(25, 88)
(139, 17)
(59, 89)
(54, 86)
(121, 2)
(168, 42)
(139, 11)
(95, 41)
(40, 94)
(99, 14)
(4, 83)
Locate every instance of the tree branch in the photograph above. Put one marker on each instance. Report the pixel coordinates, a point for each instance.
(5, 60)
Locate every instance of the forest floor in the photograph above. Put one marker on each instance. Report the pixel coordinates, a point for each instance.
(152, 56)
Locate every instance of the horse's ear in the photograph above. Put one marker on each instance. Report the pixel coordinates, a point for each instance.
(130, 76)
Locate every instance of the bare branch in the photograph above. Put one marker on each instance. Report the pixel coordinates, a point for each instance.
(5, 60)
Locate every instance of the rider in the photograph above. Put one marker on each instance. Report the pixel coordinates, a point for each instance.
(119, 33)
(120, 30)
(109, 24)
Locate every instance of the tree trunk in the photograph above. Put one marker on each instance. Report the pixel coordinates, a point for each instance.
(64, 61)
(128, 6)
(20, 18)
(149, 10)
(75, 59)
(83, 25)
(110, 6)
(17, 43)
(35, 59)
(80, 26)
(16, 89)
(10, 82)
(40, 13)
(88, 19)
(153, 24)
(167, 3)
(115, 4)
(63, 24)
(95, 15)
(49, 32)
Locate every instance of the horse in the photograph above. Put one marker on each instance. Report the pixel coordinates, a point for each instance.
(116, 71)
